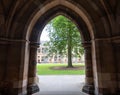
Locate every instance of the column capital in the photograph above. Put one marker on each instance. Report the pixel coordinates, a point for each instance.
(34, 44)
(86, 44)
(12, 41)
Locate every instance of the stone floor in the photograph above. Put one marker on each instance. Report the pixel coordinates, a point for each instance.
(61, 85)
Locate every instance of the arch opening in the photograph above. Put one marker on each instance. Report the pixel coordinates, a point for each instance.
(57, 62)
(84, 29)
(56, 31)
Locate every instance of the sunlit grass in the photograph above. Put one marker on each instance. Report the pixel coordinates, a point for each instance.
(44, 69)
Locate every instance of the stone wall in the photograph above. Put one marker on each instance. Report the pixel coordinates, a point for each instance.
(21, 23)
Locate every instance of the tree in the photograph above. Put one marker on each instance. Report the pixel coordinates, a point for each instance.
(64, 38)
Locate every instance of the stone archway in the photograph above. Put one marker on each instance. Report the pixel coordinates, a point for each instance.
(61, 9)
(20, 33)
(91, 39)
(36, 32)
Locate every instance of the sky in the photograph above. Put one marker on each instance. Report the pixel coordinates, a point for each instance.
(44, 35)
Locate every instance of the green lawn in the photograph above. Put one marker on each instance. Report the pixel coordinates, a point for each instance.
(44, 69)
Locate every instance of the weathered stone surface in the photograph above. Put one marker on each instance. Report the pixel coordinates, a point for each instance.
(21, 23)
(89, 81)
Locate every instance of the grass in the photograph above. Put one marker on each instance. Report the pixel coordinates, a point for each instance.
(44, 69)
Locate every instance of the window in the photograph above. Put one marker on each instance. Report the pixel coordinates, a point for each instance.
(38, 50)
(38, 61)
(43, 58)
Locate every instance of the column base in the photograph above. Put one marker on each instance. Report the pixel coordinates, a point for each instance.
(89, 89)
(32, 89)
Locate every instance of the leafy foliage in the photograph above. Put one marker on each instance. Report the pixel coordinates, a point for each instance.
(64, 38)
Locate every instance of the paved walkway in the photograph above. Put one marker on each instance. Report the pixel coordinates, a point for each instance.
(61, 85)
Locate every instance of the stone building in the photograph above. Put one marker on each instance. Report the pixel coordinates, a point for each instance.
(21, 24)
(43, 57)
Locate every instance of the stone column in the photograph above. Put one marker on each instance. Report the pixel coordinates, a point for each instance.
(4, 85)
(32, 78)
(116, 45)
(104, 62)
(89, 84)
(13, 66)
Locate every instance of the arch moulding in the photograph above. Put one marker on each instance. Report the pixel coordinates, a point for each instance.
(80, 11)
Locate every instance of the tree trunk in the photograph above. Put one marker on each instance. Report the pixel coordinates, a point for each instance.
(69, 50)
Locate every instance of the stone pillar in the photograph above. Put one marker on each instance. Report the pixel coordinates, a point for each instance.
(116, 45)
(13, 67)
(32, 78)
(3, 62)
(105, 82)
(89, 84)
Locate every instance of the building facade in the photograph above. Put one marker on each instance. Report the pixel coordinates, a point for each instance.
(43, 57)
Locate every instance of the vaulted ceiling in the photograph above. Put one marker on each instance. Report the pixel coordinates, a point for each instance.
(15, 13)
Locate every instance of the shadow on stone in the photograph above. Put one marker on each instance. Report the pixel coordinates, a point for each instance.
(32, 89)
(89, 89)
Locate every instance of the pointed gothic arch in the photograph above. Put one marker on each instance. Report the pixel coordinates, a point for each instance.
(98, 21)
(65, 7)
(83, 25)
